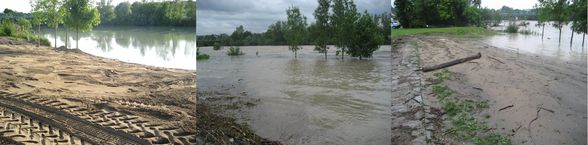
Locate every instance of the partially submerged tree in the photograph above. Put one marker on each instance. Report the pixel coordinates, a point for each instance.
(82, 16)
(579, 22)
(322, 28)
(558, 12)
(366, 37)
(295, 29)
(344, 16)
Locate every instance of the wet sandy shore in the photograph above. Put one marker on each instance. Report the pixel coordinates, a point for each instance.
(547, 95)
(163, 97)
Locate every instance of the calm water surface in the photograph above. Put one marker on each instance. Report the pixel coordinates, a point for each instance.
(306, 100)
(171, 47)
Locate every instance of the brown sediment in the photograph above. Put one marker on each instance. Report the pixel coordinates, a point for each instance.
(127, 95)
(526, 83)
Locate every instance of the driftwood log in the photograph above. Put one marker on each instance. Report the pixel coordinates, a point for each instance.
(451, 63)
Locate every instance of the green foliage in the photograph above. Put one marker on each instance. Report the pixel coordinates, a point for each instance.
(202, 57)
(234, 51)
(367, 37)
(295, 29)
(106, 10)
(7, 29)
(579, 20)
(425, 13)
(217, 46)
(321, 28)
(165, 13)
(512, 28)
(343, 19)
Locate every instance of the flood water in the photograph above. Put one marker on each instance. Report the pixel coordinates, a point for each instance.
(306, 100)
(548, 46)
(171, 47)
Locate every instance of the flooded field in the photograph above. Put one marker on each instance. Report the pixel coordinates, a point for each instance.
(308, 100)
(548, 46)
(171, 47)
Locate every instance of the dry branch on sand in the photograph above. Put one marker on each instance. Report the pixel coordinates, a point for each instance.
(451, 63)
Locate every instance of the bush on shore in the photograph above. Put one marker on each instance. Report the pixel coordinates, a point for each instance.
(512, 28)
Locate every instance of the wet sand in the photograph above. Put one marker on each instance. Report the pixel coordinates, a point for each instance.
(161, 96)
(548, 95)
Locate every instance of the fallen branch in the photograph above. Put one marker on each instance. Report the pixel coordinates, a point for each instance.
(505, 107)
(451, 63)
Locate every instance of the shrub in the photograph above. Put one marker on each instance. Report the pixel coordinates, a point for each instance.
(7, 29)
(233, 51)
(202, 57)
(512, 28)
(217, 46)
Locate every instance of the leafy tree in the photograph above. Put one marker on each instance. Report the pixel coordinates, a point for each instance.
(123, 12)
(107, 14)
(558, 13)
(579, 22)
(82, 17)
(52, 13)
(367, 37)
(344, 16)
(543, 16)
(38, 19)
(404, 12)
(295, 29)
(25, 26)
(321, 27)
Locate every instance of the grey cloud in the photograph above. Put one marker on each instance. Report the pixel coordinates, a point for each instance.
(223, 16)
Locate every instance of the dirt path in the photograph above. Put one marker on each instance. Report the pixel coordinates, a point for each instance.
(151, 104)
(533, 99)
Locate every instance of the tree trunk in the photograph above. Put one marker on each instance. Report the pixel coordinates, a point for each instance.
(77, 37)
(55, 41)
(39, 35)
(583, 37)
(559, 36)
(295, 53)
(325, 53)
(342, 53)
(542, 31)
(572, 39)
(451, 63)
(66, 38)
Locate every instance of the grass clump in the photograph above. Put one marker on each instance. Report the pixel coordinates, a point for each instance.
(454, 31)
(461, 112)
(7, 29)
(234, 51)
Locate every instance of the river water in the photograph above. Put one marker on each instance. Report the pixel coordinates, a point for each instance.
(548, 46)
(305, 100)
(170, 47)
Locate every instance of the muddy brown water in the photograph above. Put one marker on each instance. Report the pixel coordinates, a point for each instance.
(548, 46)
(305, 100)
(170, 47)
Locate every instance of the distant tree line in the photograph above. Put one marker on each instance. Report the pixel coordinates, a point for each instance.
(337, 23)
(561, 13)
(166, 13)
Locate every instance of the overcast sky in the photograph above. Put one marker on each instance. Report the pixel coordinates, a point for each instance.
(223, 16)
(517, 4)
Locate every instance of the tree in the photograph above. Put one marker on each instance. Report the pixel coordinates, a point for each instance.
(579, 22)
(343, 18)
(367, 37)
(52, 13)
(404, 12)
(558, 13)
(543, 16)
(238, 35)
(82, 16)
(123, 12)
(295, 29)
(106, 9)
(321, 27)
(38, 19)
(25, 26)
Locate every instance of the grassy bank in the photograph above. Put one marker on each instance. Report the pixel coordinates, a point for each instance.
(454, 31)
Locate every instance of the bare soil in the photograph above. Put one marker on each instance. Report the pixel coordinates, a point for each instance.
(162, 98)
(533, 99)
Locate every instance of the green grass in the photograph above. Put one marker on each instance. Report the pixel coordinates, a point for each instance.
(464, 125)
(453, 31)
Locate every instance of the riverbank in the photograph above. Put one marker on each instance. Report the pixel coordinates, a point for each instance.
(530, 99)
(161, 97)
